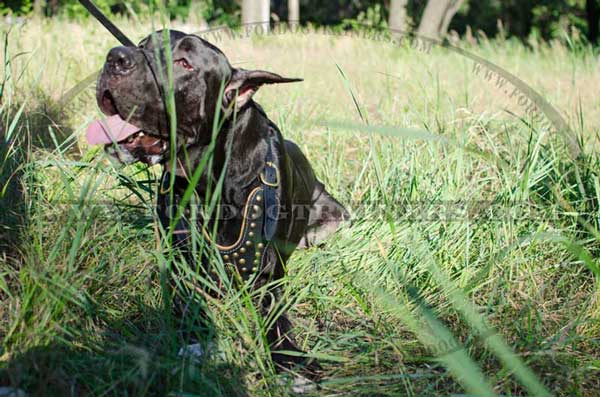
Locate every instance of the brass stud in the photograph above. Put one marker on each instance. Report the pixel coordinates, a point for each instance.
(229, 264)
(254, 269)
(226, 257)
(260, 246)
(256, 262)
(252, 224)
(258, 198)
(249, 243)
(242, 261)
(244, 269)
(250, 234)
(255, 207)
(242, 250)
(257, 254)
(235, 255)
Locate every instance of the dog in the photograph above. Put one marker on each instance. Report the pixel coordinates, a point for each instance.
(277, 203)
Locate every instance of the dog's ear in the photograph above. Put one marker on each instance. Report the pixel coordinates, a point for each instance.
(244, 83)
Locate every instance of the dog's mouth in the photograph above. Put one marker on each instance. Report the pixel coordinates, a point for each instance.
(138, 145)
(145, 148)
(107, 104)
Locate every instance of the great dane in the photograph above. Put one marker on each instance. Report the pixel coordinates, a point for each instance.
(275, 202)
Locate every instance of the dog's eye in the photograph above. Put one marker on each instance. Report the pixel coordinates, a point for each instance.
(183, 63)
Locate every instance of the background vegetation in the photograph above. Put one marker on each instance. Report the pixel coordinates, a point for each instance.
(520, 18)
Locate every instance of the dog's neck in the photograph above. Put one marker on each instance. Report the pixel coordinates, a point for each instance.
(239, 147)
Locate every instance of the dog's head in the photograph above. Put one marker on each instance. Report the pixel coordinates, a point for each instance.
(132, 91)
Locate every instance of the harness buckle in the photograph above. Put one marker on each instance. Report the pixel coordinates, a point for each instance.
(270, 174)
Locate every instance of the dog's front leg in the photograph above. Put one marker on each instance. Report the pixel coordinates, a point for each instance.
(188, 307)
(280, 337)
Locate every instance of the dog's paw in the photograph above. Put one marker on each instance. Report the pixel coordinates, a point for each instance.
(298, 384)
(11, 392)
(195, 352)
(301, 385)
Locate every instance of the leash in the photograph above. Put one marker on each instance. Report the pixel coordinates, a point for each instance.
(106, 23)
(114, 30)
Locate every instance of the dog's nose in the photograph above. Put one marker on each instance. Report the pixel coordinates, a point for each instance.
(120, 60)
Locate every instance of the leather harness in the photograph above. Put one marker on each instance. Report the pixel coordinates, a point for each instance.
(247, 256)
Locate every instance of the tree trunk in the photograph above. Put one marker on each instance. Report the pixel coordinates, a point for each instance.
(293, 11)
(592, 14)
(248, 11)
(450, 12)
(265, 14)
(38, 8)
(397, 21)
(437, 16)
(256, 13)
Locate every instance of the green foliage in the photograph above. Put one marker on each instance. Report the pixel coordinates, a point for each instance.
(552, 19)
(73, 9)
(16, 7)
(373, 16)
(544, 19)
(334, 11)
(221, 12)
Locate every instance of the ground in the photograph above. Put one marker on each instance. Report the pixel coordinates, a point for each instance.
(469, 266)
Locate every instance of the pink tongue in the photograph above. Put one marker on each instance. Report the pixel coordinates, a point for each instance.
(112, 129)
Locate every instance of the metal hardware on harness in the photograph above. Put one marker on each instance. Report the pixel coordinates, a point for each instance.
(270, 175)
(245, 256)
(270, 179)
(260, 214)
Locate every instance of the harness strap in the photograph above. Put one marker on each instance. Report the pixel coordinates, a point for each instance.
(259, 221)
(270, 180)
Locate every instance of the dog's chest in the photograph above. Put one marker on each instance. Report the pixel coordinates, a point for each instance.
(244, 236)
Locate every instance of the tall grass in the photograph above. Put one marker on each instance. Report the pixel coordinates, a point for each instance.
(470, 265)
